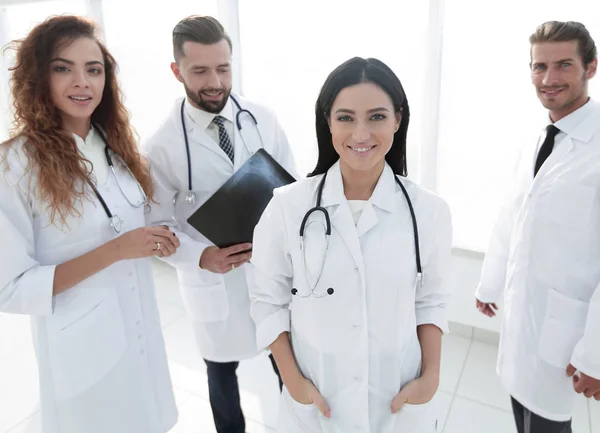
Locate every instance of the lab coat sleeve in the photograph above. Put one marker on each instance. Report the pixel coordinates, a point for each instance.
(586, 357)
(270, 288)
(162, 212)
(282, 151)
(432, 296)
(25, 286)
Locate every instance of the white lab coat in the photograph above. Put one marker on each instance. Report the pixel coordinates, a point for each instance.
(217, 304)
(100, 351)
(358, 346)
(544, 255)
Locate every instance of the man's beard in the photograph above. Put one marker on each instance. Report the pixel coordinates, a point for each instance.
(208, 106)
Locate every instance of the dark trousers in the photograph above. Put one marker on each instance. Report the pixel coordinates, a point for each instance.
(224, 393)
(529, 422)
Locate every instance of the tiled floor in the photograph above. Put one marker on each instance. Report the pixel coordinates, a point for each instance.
(470, 399)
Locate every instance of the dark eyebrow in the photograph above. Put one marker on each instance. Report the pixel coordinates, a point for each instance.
(372, 110)
(569, 60)
(70, 62)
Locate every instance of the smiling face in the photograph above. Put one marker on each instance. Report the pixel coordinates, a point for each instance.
(77, 80)
(559, 77)
(362, 124)
(205, 71)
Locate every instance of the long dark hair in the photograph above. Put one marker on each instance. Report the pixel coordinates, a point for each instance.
(354, 71)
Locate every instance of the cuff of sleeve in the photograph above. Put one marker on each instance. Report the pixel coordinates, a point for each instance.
(271, 328)
(433, 316)
(592, 370)
(188, 253)
(487, 295)
(41, 299)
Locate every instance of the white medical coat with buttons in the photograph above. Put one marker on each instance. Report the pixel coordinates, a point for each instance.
(359, 346)
(545, 256)
(100, 351)
(218, 304)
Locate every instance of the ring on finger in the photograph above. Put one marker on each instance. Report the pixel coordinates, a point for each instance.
(158, 246)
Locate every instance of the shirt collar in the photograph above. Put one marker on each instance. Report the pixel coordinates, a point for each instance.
(89, 141)
(576, 123)
(203, 119)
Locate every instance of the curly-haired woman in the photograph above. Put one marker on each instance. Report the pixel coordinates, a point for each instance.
(75, 250)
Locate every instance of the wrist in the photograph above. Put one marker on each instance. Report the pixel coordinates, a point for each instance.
(111, 252)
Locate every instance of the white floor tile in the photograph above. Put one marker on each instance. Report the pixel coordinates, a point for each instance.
(195, 416)
(19, 395)
(181, 395)
(479, 381)
(454, 354)
(15, 333)
(169, 313)
(443, 401)
(259, 390)
(467, 416)
(29, 425)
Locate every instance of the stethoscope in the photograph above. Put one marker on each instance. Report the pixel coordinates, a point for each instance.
(327, 229)
(190, 197)
(115, 221)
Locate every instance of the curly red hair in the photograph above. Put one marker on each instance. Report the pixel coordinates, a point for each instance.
(51, 150)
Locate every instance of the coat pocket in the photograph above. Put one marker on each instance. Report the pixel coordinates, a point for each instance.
(563, 327)
(415, 418)
(296, 417)
(206, 303)
(84, 350)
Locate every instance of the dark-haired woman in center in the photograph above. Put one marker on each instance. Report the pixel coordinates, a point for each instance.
(350, 289)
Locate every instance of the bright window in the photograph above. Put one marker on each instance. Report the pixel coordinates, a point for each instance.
(289, 48)
(488, 106)
(141, 42)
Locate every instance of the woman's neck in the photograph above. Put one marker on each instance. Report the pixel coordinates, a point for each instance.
(80, 127)
(360, 184)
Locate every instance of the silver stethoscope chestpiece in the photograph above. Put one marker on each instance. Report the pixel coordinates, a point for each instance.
(190, 198)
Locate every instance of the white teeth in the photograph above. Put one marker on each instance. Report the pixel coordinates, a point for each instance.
(362, 149)
(80, 98)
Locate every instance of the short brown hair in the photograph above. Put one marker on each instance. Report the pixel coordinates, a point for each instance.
(196, 28)
(558, 31)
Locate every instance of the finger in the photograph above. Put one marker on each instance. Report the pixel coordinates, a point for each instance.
(165, 243)
(494, 306)
(597, 396)
(161, 231)
(588, 392)
(239, 258)
(321, 404)
(578, 384)
(399, 401)
(571, 370)
(240, 263)
(235, 249)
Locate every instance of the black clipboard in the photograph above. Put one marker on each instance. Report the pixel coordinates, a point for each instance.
(229, 216)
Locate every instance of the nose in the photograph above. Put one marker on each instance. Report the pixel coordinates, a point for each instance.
(80, 79)
(550, 77)
(213, 80)
(361, 132)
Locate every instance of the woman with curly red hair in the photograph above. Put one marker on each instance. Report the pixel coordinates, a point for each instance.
(75, 249)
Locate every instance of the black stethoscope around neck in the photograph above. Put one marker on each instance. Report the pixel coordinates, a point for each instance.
(190, 197)
(115, 221)
(327, 228)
